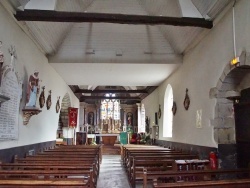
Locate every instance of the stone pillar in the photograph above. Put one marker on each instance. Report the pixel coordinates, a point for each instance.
(139, 114)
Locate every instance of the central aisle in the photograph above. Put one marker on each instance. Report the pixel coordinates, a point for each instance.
(112, 173)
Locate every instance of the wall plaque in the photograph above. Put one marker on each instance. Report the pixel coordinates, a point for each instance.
(9, 110)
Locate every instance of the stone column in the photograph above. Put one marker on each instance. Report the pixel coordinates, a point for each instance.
(139, 114)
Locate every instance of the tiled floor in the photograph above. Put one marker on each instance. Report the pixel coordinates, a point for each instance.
(112, 173)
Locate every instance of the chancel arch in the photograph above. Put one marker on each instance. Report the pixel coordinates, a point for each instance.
(231, 95)
(62, 130)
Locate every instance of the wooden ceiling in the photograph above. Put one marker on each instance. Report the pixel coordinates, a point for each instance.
(125, 96)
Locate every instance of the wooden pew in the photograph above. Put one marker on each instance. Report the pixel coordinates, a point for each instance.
(152, 157)
(128, 151)
(44, 183)
(66, 164)
(138, 165)
(49, 175)
(158, 156)
(44, 166)
(192, 175)
(79, 148)
(238, 183)
(61, 160)
(132, 159)
(58, 162)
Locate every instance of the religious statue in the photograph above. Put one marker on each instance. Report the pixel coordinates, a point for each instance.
(32, 90)
(42, 98)
(91, 118)
(48, 101)
(58, 104)
(129, 119)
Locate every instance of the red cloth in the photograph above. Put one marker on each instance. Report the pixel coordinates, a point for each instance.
(73, 113)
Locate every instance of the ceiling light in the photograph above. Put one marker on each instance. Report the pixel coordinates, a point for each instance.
(235, 61)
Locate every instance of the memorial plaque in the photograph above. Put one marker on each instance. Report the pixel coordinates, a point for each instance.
(9, 110)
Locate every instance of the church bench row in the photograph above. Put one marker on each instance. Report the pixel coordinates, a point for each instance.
(55, 175)
(62, 162)
(135, 168)
(155, 158)
(239, 183)
(62, 165)
(192, 175)
(79, 148)
(44, 183)
(44, 166)
(124, 147)
(127, 151)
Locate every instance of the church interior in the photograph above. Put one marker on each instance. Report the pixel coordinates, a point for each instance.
(157, 92)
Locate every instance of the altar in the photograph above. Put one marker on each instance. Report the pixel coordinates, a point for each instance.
(107, 139)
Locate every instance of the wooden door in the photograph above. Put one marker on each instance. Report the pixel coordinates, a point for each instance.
(242, 129)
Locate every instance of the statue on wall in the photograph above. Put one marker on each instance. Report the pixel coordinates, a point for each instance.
(48, 101)
(42, 98)
(91, 118)
(58, 104)
(129, 118)
(33, 89)
(147, 124)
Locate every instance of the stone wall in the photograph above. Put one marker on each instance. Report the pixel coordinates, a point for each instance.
(223, 121)
(64, 110)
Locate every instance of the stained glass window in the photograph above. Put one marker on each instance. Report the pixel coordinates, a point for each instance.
(110, 108)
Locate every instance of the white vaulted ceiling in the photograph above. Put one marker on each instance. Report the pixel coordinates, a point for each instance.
(99, 54)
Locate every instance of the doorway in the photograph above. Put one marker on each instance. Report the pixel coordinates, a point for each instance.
(242, 129)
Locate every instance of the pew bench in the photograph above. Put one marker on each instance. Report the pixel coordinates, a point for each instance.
(238, 183)
(48, 175)
(190, 176)
(60, 161)
(44, 183)
(136, 170)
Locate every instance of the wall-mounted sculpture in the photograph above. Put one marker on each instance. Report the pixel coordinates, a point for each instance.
(186, 102)
(48, 101)
(42, 98)
(174, 108)
(32, 89)
(58, 104)
(91, 118)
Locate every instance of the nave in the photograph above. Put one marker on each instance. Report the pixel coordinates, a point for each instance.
(134, 166)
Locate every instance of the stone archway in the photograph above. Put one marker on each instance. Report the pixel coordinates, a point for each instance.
(64, 109)
(63, 116)
(230, 82)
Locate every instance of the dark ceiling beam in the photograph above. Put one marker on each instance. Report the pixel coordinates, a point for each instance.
(57, 16)
(109, 91)
(149, 90)
(82, 98)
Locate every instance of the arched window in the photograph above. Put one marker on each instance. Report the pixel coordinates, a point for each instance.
(110, 108)
(168, 115)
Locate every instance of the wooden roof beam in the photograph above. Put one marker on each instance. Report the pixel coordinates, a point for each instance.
(82, 98)
(58, 16)
(110, 91)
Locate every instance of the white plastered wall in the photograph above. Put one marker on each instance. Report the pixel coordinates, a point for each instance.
(151, 105)
(41, 127)
(201, 70)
